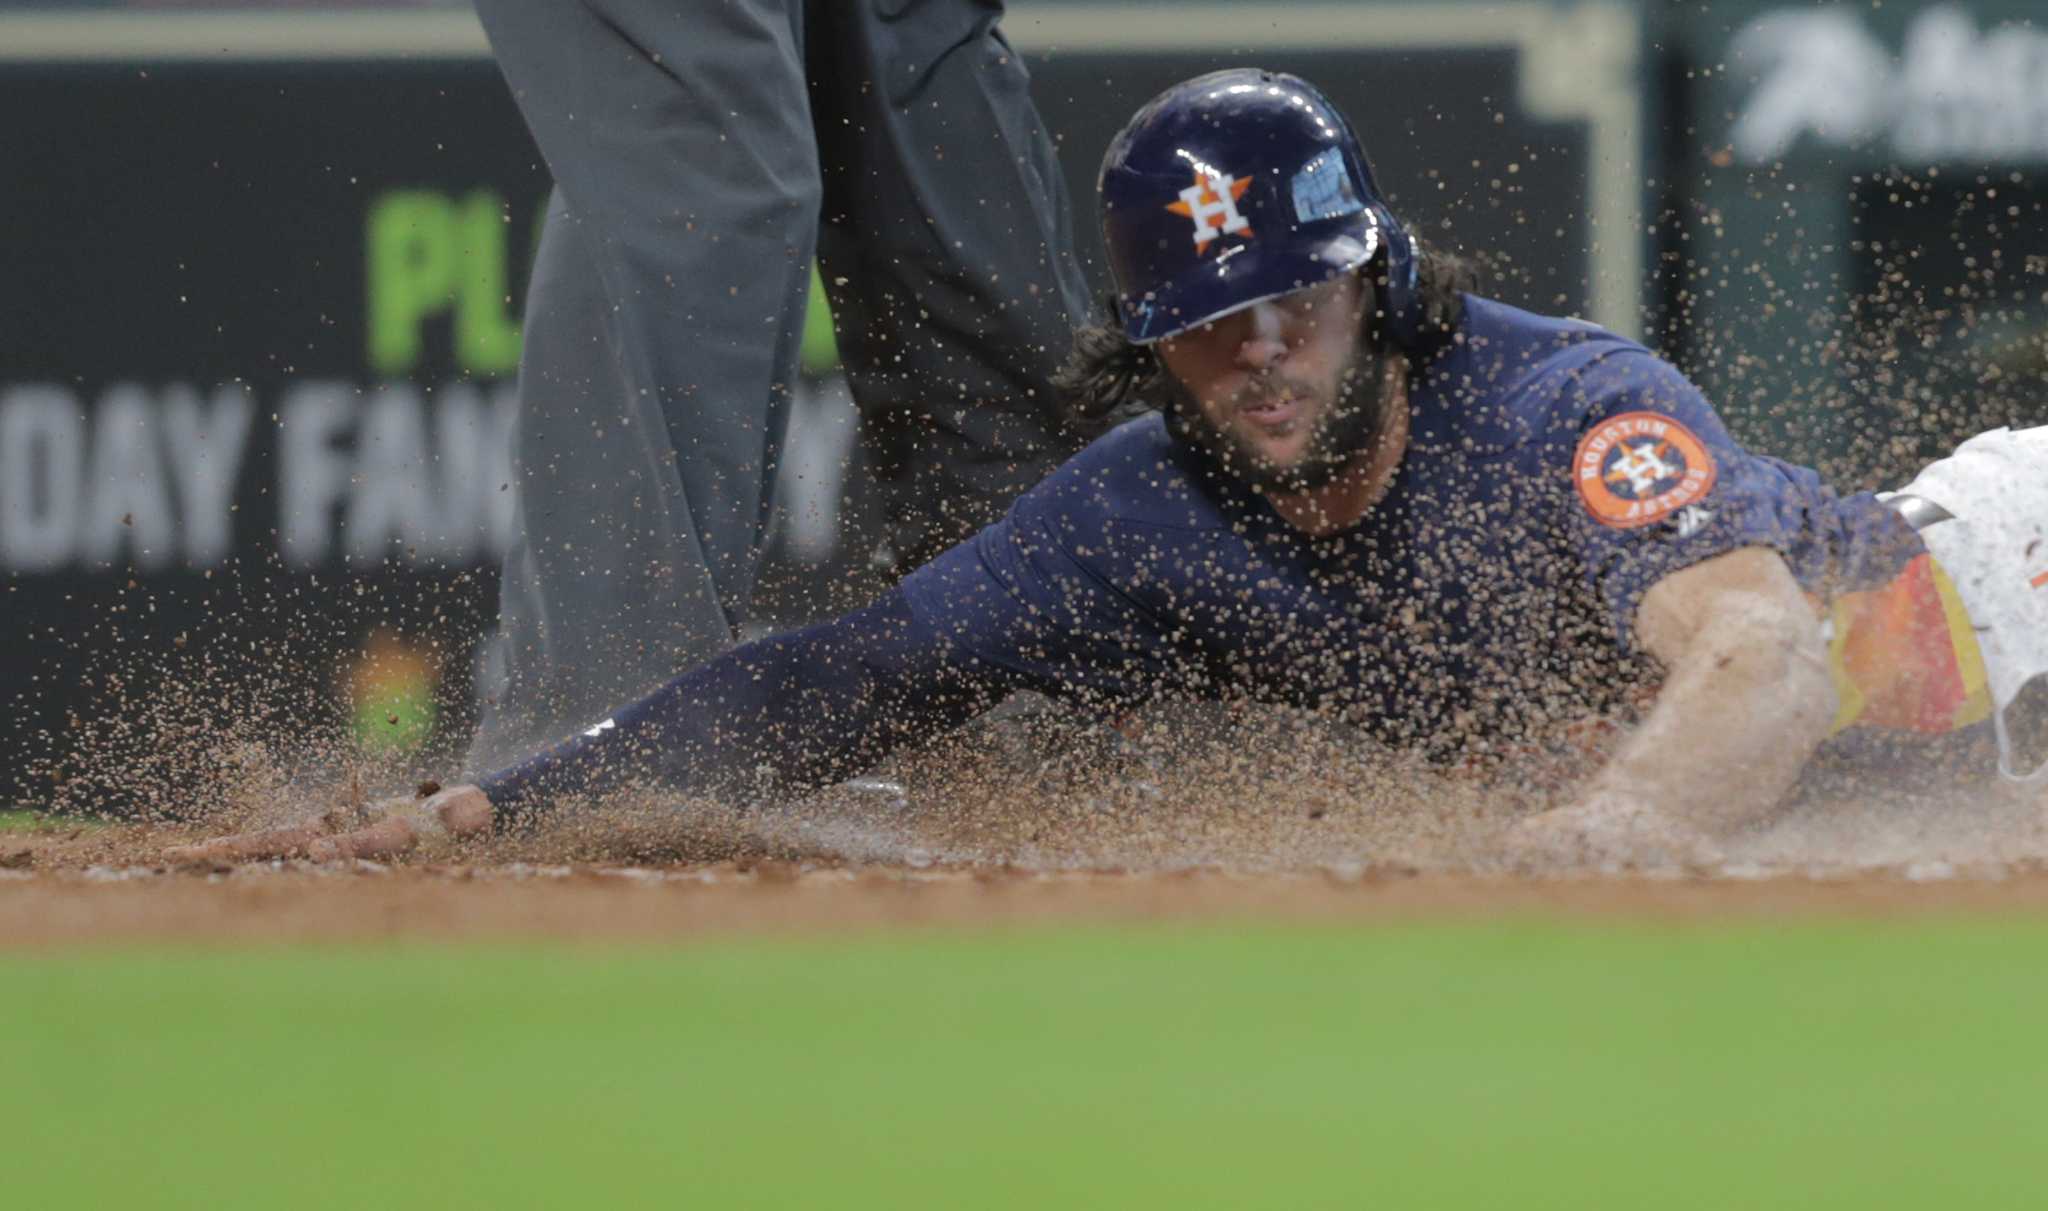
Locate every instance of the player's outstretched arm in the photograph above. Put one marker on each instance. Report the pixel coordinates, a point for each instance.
(780, 715)
(776, 717)
(1747, 700)
(388, 830)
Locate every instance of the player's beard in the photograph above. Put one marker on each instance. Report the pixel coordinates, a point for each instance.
(1342, 436)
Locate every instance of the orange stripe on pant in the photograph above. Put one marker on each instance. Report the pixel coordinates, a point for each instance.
(1905, 656)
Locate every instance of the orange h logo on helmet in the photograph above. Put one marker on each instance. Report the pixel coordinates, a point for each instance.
(1212, 203)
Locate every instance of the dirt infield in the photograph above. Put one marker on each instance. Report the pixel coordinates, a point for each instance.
(641, 904)
(53, 893)
(1285, 828)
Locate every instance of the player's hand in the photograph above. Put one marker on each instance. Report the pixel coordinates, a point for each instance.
(387, 830)
(1604, 830)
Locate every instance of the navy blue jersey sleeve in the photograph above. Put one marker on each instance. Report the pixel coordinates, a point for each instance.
(780, 715)
(1658, 485)
(1036, 597)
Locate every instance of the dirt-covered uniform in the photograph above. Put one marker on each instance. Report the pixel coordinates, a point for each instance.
(1554, 473)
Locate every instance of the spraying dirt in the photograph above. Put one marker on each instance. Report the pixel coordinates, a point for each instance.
(1200, 817)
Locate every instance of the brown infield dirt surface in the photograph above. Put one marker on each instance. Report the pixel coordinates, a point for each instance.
(1288, 828)
(365, 903)
(106, 885)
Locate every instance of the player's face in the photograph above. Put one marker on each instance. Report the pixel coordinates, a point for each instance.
(1279, 388)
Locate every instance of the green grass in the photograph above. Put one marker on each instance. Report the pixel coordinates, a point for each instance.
(1524, 1066)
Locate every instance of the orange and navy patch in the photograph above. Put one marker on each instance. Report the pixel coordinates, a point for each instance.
(1639, 468)
(1212, 203)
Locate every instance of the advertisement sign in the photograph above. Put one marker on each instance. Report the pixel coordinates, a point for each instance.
(1858, 239)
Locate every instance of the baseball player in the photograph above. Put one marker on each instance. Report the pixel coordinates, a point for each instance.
(702, 153)
(1360, 489)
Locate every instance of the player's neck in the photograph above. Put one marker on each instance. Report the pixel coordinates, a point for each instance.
(1341, 503)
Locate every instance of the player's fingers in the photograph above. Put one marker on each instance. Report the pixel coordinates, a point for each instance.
(462, 810)
(385, 839)
(247, 847)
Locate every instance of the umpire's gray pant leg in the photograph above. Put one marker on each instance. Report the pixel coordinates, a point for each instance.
(659, 343)
(948, 252)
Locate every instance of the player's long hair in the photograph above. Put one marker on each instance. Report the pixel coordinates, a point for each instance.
(1107, 379)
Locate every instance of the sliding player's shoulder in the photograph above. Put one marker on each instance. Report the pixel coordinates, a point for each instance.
(1137, 474)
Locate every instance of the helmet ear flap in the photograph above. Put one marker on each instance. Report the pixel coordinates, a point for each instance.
(1394, 319)
(1399, 286)
(1376, 321)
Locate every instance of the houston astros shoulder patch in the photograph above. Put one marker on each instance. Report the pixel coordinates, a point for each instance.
(1640, 467)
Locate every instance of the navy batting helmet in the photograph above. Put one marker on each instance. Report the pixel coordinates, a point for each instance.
(1239, 186)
